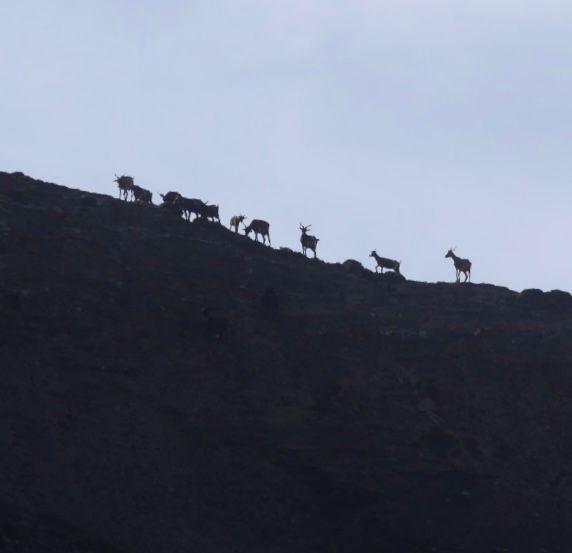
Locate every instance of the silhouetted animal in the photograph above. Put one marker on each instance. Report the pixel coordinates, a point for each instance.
(190, 206)
(210, 212)
(258, 226)
(125, 185)
(461, 266)
(236, 220)
(384, 263)
(308, 242)
(170, 197)
(142, 195)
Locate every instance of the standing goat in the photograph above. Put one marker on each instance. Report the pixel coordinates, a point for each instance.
(308, 242)
(126, 185)
(210, 212)
(141, 195)
(385, 263)
(236, 220)
(461, 265)
(190, 206)
(258, 226)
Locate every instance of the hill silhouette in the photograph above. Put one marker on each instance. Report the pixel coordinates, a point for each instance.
(171, 386)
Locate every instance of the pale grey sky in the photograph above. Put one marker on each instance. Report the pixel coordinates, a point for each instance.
(407, 126)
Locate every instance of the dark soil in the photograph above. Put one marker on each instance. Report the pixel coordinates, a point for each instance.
(173, 387)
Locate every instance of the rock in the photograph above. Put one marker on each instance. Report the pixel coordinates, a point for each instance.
(558, 300)
(353, 266)
(555, 300)
(392, 277)
(532, 297)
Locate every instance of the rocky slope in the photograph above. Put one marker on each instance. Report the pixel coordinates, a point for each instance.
(167, 386)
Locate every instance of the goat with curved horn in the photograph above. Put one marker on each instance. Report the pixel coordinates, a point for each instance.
(308, 242)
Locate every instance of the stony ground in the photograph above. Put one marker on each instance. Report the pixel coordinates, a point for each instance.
(311, 407)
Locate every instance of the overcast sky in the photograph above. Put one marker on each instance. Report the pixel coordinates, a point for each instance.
(406, 126)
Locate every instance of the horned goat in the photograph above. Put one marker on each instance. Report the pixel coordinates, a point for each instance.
(125, 185)
(258, 226)
(235, 221)
(385, 263)
(461, 266)
(308, 242)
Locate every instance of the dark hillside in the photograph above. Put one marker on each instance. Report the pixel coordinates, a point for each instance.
(312, 407)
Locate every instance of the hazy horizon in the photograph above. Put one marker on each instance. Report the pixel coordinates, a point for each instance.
(407, 128)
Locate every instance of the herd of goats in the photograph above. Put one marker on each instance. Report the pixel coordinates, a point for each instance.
(187, 207)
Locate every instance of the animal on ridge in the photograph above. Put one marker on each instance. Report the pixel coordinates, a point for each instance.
(235, 221)
(461, 266)
(126, 185)
(258, 226)
(385, 263)
(308, 241)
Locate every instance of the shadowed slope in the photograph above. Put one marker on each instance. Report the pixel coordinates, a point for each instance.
(355, 415)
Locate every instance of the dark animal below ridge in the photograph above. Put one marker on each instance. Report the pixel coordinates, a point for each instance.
(176, 387)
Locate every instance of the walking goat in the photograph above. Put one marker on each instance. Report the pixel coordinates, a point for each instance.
(461, 266)
(308, 242)
(258, 226)
(385, 263)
